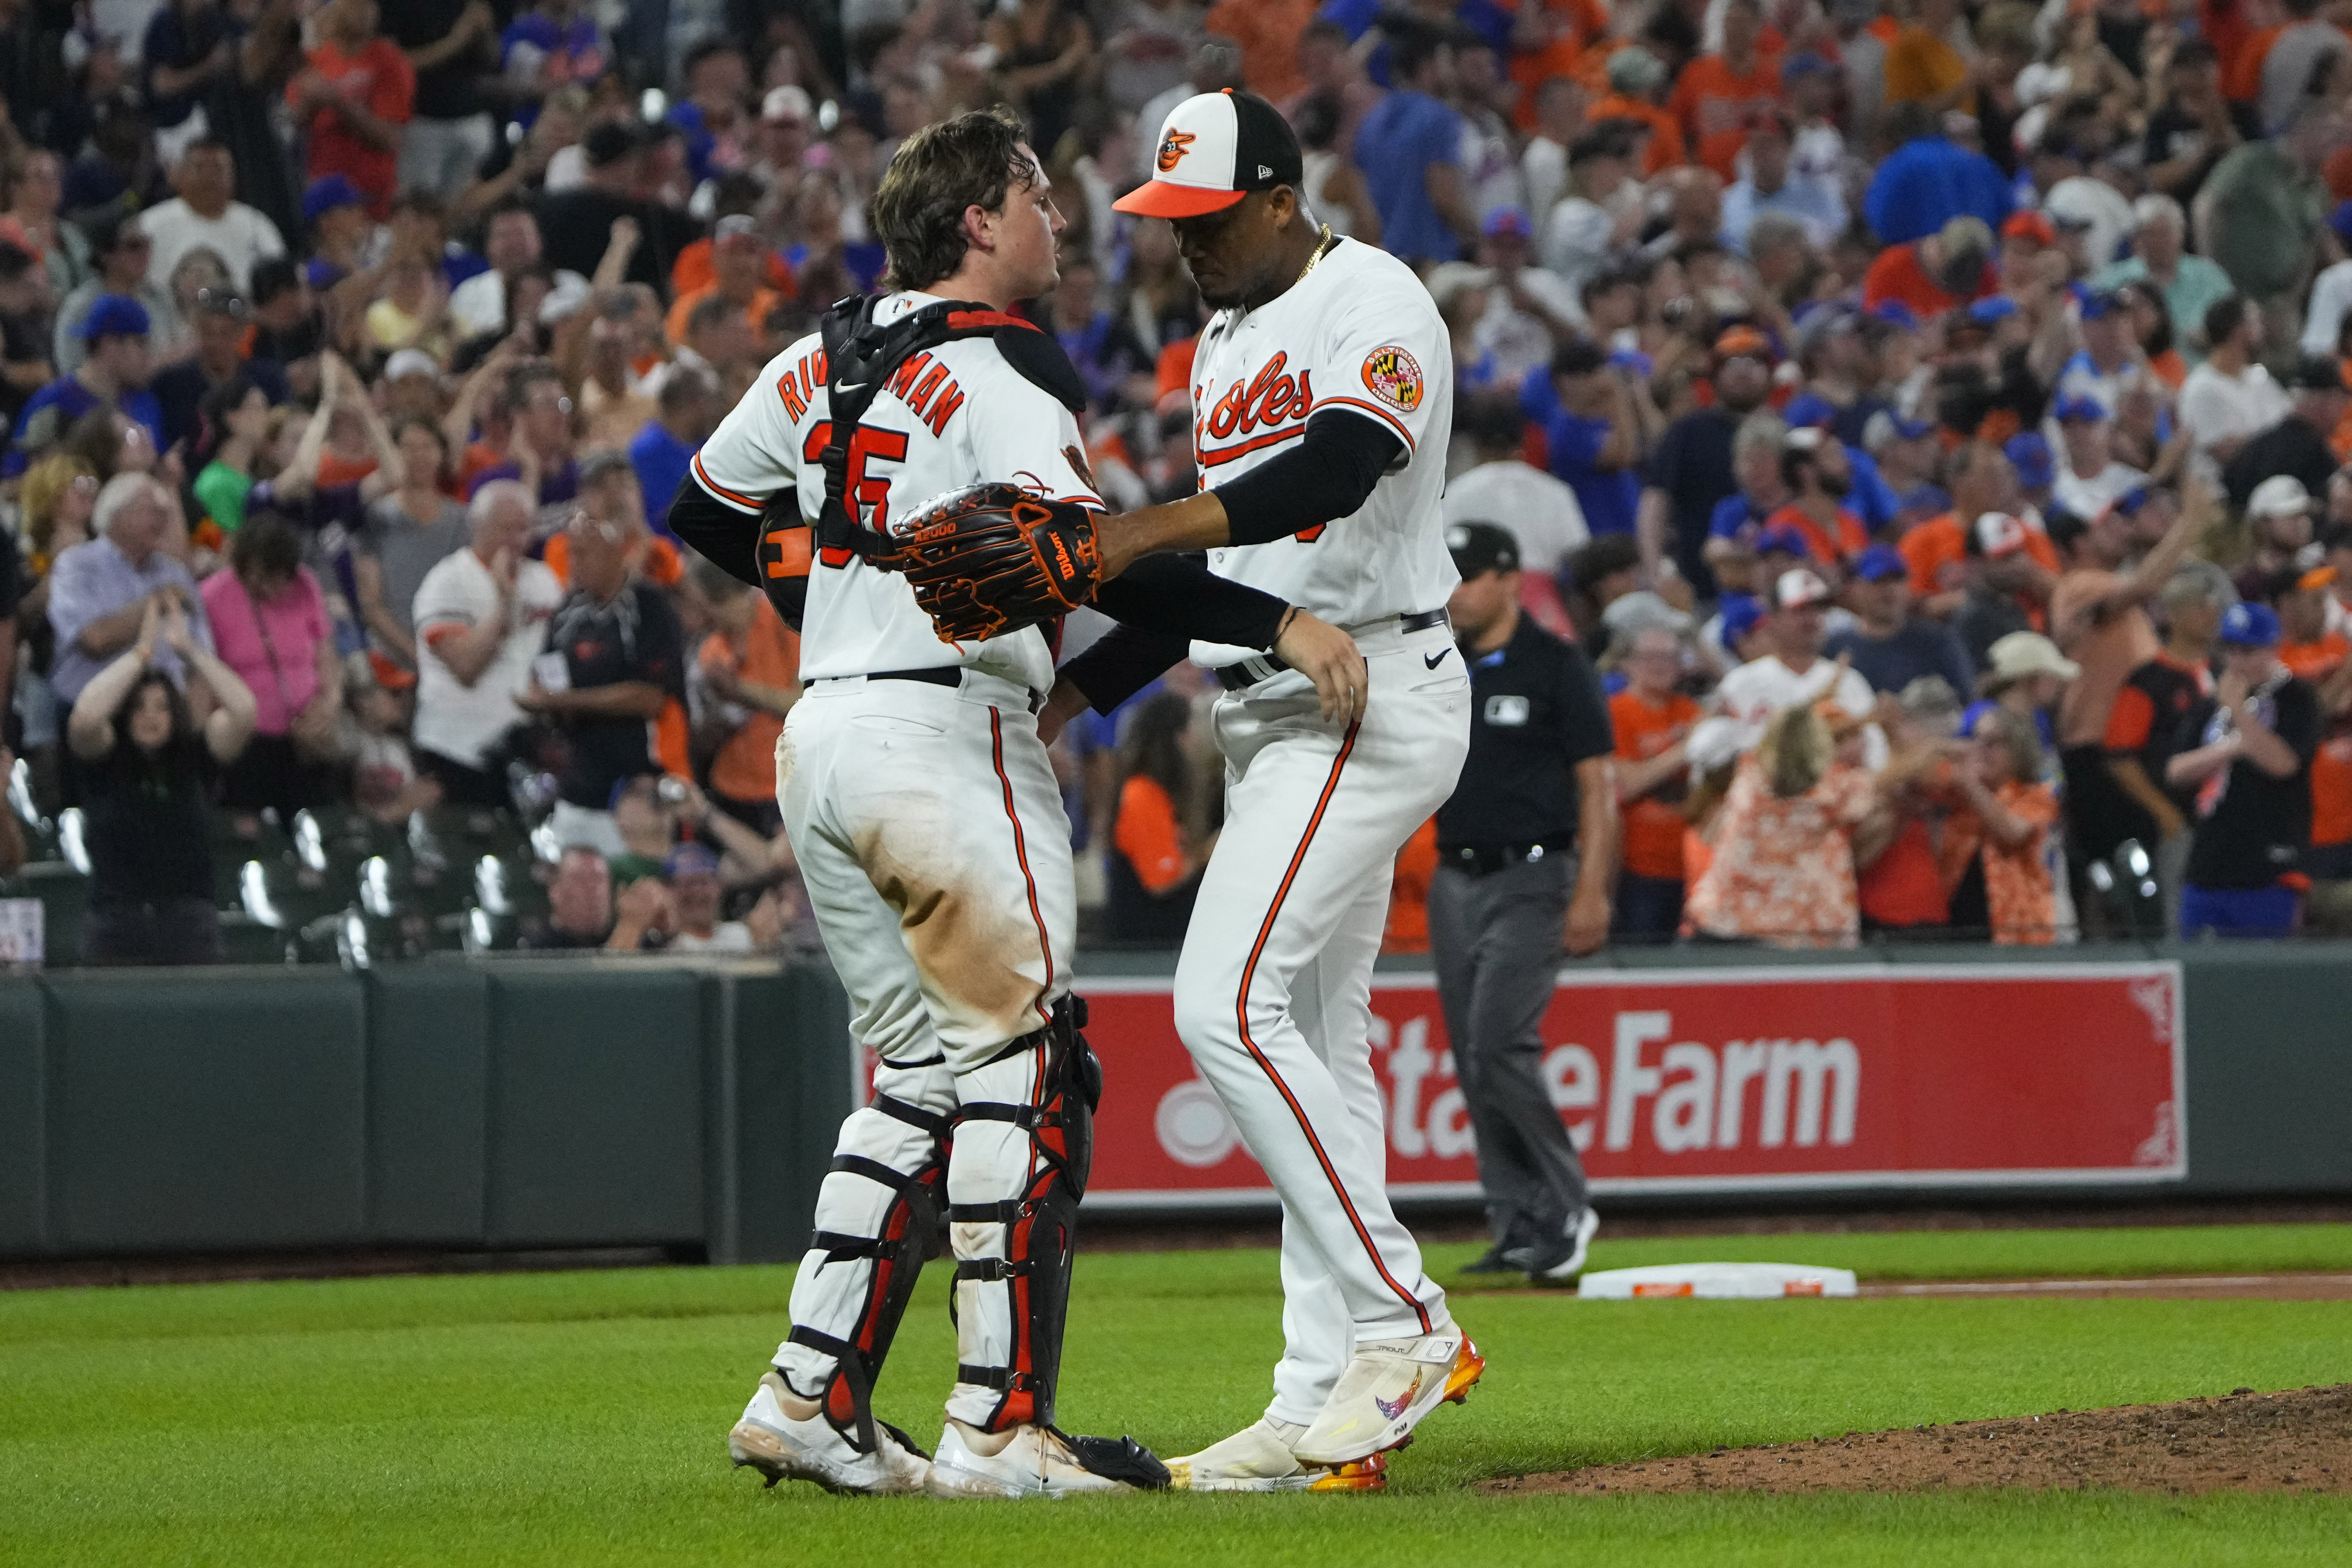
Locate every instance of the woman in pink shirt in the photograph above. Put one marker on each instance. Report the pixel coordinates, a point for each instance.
(270, 624)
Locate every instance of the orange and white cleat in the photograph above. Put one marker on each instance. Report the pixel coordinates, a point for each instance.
(1387, 1388)
(1257, 1458)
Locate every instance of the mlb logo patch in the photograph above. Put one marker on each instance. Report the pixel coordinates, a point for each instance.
(1507, 711)
(1393, 377)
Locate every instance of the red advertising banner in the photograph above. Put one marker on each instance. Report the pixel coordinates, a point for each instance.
(1725, 1080)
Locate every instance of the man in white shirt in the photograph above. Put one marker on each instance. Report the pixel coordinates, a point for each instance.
(2230, 397)
(207, 214)
(1559, 116)
(1538, 510)
(1592, 219)
(690, 873)
(481, 616)
(2090, 477)
(1793, 672)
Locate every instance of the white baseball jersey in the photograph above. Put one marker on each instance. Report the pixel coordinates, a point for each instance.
(1360, 332)
(954, 417)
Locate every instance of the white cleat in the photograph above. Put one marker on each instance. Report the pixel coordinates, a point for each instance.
(1387, 1389)
(786, 1437)
(1037, 1461)
(1257, 1458)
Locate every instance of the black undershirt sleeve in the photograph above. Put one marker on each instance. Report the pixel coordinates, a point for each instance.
(1326, 476)
(727, 538)
(1162, 603)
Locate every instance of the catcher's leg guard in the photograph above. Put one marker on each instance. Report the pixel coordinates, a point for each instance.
(1024, 1141)
(878, 1222)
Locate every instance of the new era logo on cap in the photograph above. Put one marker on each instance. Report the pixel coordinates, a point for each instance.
(1214, 149)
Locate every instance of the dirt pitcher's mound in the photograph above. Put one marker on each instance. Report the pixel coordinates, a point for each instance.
(2300, 1440)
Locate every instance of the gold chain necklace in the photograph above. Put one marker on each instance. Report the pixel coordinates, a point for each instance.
(1322, 247)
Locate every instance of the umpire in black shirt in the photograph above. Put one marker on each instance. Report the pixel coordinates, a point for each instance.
(1533, 816)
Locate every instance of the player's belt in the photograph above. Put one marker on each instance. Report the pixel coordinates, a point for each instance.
(1484, 859)
(1260, 667)
(938, 674)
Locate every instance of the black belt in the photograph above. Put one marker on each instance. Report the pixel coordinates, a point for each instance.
(938, 674)
(1260, 667)
(1484, 859)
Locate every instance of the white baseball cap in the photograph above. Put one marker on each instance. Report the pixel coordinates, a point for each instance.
(2281, 495)
(1214, 149)
(1999, 534)
(1798, 587)
(410, 362)
(786, 102)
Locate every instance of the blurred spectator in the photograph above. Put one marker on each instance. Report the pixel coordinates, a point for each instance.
(32, 184)
(2191, 284)
(1791, 832)
(147, 765)
(113, 373)
(691, 876)
(1928, 182)
(355, 95)
(2296, 445)
(1599, 214)
(1892, 648)
(1596, 433)
(2099, 617)
(235, 420)
(1794, 673)
(2230, 398)
(1813, 467)
(2262, 210)
(221, 323)
(121, 249)
(1157, 849)
(1771, 186)
(1043, 47)
(450, 45)
(1690, 474)
(1540, 511)
(661, 452)
(206, 213)
(2144, 727)
(1636, 79)
(2247, 753)
(576, 225)
(2090, 477)
(1943, 270)
(2278, 525)
(580, 904)
(614, 655)
(1721, 95)
(2014, 810)
(510, 244)
(270, 624)
(1902, 893)
(750, 669)
(100, 590)
(480, 616)
(1410, 149)
(1651, 720)
(411, 529)
(739, 277)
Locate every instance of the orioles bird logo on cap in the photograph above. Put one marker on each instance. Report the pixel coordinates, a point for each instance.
(1173, 148)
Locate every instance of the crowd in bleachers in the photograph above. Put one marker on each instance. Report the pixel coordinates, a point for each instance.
(1930, 417)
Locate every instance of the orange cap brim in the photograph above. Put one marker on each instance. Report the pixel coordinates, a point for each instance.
(1162, 199)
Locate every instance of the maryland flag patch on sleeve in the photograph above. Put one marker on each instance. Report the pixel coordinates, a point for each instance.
(1393, 377)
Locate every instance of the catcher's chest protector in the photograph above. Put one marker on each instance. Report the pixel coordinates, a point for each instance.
(862, 357)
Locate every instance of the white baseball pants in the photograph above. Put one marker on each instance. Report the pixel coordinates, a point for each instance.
(1274, 989)
(931, 836)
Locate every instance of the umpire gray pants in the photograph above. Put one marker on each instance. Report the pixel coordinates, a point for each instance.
(1496, 941)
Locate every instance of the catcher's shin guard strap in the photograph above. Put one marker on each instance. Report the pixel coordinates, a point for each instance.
(907, 1235)
(1038, 1226)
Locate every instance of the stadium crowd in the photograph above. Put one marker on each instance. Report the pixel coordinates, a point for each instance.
(1930, 418)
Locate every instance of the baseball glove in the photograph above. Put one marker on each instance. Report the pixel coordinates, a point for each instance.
(993, 558)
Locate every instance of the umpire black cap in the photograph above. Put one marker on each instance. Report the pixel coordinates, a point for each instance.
(1479, 548)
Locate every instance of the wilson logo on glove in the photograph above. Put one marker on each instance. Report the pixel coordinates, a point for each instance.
(993, 558)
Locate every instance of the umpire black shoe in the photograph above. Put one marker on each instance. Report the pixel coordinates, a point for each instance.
(1497, 1261)
(1562, 1261)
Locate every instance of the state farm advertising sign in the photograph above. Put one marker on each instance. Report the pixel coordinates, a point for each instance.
(1723, 1080)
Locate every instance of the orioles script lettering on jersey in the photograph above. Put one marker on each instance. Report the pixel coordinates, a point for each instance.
(1270, 397)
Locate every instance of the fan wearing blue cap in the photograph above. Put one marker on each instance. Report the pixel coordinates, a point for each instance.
(1891, 646)
(113, 373)
(2250, 770)
(2090, 477)
(2108, 367)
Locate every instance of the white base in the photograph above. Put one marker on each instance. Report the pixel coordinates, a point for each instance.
(1716, 1282)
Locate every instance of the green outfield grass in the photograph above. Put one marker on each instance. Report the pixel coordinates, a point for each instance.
(578, 1418)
